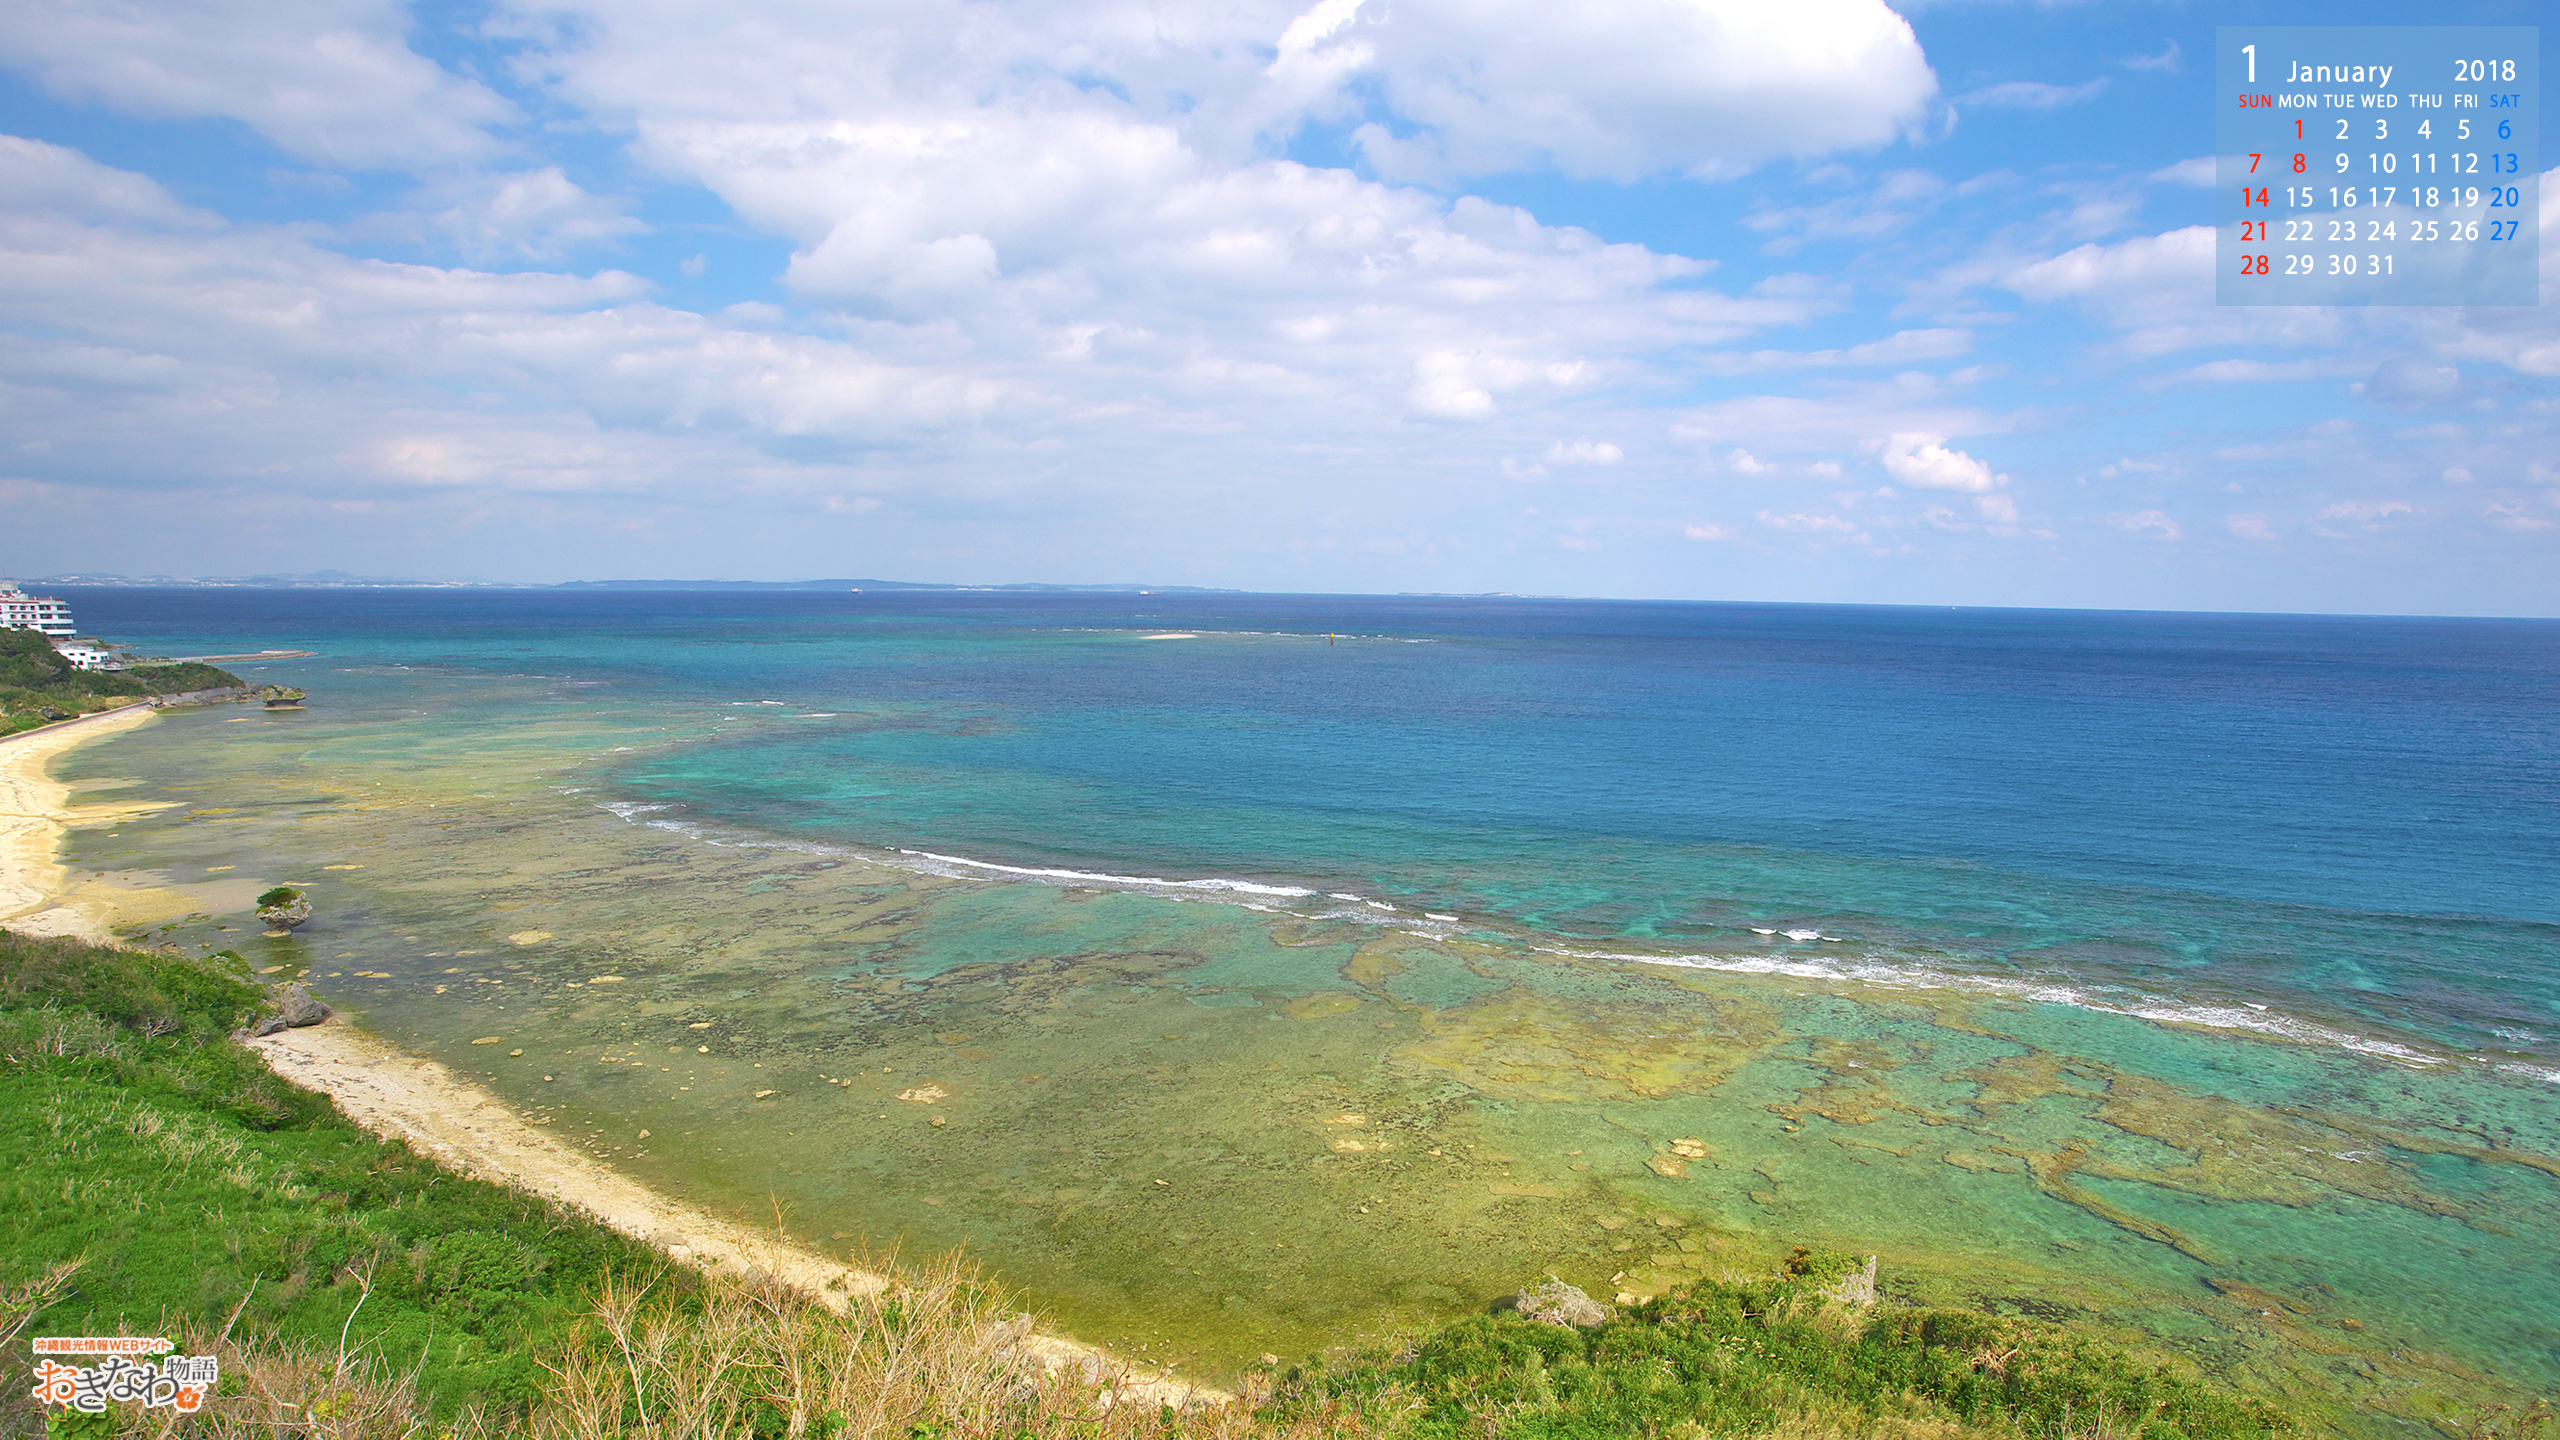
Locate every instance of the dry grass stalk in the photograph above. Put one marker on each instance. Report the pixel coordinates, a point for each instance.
(940, 1355)
(22, 1303)
(303, 1392)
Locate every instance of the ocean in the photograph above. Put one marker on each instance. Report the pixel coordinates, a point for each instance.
(1267, 972)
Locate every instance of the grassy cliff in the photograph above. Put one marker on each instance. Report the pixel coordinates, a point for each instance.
(38, 686)
(191, 1182)
(155, 1177)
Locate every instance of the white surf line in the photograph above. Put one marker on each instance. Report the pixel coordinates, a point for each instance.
(1240, 887)
(1879, 973)
(1888, 975)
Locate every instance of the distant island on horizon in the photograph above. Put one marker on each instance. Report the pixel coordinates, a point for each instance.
(342, 580)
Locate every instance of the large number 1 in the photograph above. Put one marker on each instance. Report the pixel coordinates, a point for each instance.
(2252, 52)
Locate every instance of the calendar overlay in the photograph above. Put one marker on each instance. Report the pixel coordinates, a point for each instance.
(2378, 165)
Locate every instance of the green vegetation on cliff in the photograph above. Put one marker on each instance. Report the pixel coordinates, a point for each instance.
(156, 1177)
(193, 1180)
(38, 686)
(1778, 1356)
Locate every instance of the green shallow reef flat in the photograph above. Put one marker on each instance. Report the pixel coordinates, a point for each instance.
(161, 1181)
(1197, 1131)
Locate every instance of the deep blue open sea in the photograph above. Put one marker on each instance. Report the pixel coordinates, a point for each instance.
(2351, 822)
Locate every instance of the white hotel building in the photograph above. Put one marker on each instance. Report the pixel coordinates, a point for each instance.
(22, 611)
(51, 618)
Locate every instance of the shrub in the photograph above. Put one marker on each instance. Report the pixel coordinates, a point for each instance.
(146, 993)
(1747, 1358)
(477, 1260)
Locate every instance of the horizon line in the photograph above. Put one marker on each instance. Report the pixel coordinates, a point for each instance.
(312, 581)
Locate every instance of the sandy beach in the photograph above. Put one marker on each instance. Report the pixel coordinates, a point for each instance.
(401, 1097)
(35, 810)
(407, 1099)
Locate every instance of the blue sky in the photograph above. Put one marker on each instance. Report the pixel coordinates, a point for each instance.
(1716, 299)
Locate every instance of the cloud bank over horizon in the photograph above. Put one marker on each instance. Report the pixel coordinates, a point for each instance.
(1670, 297)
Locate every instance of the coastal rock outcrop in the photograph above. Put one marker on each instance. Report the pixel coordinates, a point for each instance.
(297, 1007)
(1556, 1303)
(1858, 1287)
(214, 696)
(1840, 1277)
(283, 908)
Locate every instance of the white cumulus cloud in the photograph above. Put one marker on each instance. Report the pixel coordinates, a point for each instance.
(2148, 524)
(2365, 515)
(332, 81)
(1925, 462)
(491, 217)
(1584, 452)
(2198, 172)
(2032, 95)
(1703, 87)
(2159, 290)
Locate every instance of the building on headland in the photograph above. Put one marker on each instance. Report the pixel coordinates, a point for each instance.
(94, 655)
(22, 611)
(51, 618)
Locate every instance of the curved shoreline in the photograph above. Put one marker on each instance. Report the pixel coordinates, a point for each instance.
(407, 1099)
(404, 1098)
(35, 811)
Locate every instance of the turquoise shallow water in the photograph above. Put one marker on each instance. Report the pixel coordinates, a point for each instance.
(2196, 975)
